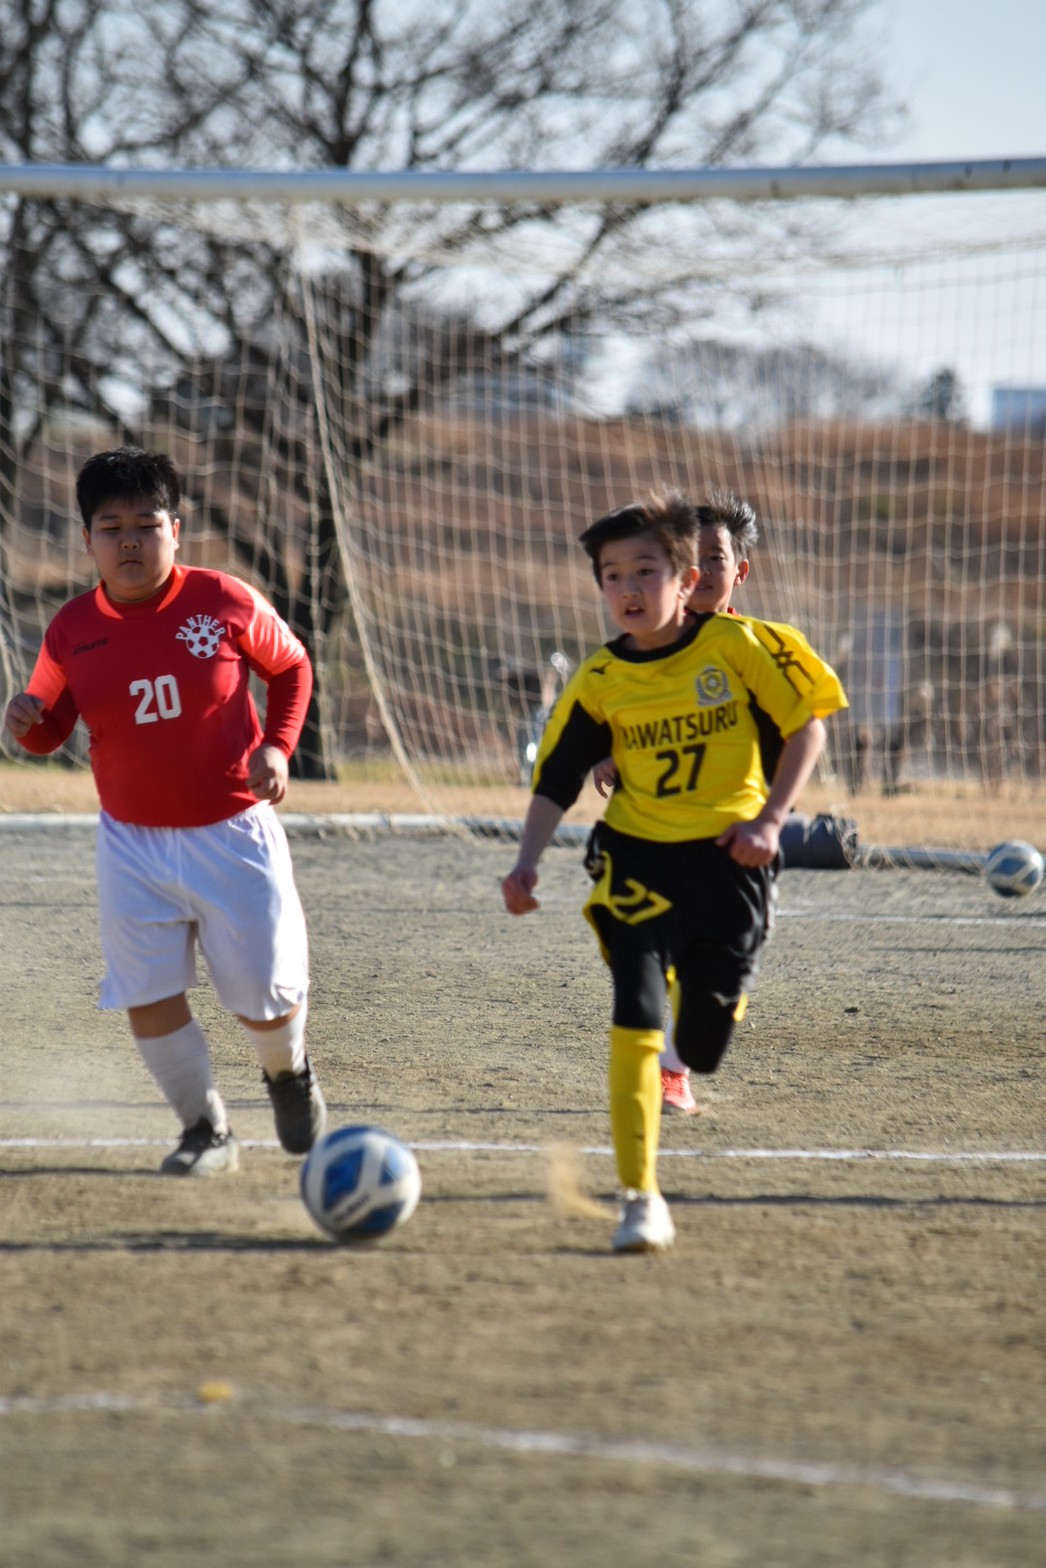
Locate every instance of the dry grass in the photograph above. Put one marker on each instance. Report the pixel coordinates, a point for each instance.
(943, 816)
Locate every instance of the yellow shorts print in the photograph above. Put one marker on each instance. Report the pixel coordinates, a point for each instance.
(627, 900)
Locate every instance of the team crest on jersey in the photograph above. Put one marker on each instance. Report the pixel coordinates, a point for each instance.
(712, 686)
(201, 635)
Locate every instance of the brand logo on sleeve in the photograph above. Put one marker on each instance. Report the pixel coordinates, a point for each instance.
(201, 635)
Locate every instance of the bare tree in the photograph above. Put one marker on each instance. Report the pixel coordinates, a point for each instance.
(98, 305)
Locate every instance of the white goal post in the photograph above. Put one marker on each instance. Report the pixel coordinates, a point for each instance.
(552, 188)
(397, 399)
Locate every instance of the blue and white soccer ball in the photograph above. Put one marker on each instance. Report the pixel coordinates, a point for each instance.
(359, 1183)
(1014, 869)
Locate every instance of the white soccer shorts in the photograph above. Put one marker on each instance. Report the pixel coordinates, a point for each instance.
(229, 887)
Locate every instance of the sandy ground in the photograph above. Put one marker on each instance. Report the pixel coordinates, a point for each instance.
(840, 1363)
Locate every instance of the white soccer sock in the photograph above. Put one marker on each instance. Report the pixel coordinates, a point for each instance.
(181, 1065)
(281, 1050)
(671, 1061)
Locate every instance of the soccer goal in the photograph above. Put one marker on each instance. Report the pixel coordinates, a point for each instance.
(397, 401)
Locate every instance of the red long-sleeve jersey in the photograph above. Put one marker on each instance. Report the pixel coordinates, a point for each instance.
(163, 688)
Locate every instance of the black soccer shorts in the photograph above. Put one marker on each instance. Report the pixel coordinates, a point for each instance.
(687, 907)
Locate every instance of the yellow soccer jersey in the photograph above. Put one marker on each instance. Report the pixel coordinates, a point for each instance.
(788, 645)
(683, 724)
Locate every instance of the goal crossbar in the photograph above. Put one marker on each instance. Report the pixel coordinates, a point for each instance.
(500, 187)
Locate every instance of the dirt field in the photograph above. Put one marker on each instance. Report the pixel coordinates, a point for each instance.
(841, 1363)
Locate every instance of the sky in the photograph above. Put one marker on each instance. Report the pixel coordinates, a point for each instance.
(971, 75)
(971, 72)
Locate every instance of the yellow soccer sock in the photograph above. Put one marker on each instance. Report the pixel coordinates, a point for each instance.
(635, 1104)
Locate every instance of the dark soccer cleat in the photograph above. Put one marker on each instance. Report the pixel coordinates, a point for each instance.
(298, 1108)
(203, 1152)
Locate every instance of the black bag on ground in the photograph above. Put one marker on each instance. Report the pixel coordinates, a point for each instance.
(821, 843)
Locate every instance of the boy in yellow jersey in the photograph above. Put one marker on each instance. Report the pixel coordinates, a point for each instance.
(690, 838)
(727, 533)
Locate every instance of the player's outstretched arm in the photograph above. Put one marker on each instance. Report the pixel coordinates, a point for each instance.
(542, 819)
(756, 843)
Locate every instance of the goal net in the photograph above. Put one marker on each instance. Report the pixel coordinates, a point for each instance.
(395, 415)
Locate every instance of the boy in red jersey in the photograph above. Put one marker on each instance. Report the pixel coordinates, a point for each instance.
(156, 661)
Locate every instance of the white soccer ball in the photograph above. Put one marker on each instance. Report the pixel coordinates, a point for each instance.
(1014, 869)
(359, 1183)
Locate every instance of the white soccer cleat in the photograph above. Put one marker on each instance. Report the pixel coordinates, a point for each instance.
(645, 1224)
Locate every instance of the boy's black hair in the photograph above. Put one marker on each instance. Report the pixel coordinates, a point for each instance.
(127, 472)
(724, 509)
(666, 514)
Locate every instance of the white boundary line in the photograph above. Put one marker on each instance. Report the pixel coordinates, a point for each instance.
(834, 917)
(466, 1146)
(1009, 913)
(695, 1461)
